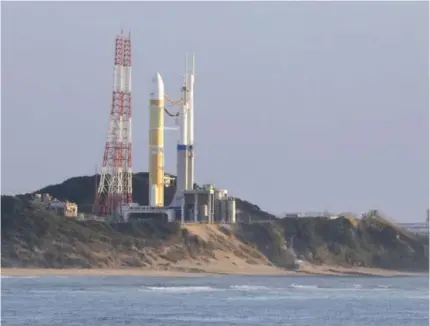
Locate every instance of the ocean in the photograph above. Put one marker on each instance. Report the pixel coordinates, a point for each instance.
(214, 300)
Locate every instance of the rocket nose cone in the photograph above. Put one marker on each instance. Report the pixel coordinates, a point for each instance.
(157, 92)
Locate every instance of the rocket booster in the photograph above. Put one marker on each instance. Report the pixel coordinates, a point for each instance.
(156, 143)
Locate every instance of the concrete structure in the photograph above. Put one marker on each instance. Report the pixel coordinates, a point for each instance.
(67, 209)
(208, 205)
(325, 214)
(134, 211)
(70, 209)
(47, 202)
(306, 214)
(225, 207)
(220, 194)
(198, 205)
(156, 143)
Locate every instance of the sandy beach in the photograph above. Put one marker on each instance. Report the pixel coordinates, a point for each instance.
(181, 272)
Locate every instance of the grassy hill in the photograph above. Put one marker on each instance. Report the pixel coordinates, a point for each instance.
(35, 238)
(81, 190)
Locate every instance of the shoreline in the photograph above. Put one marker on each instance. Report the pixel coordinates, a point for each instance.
(315, 271)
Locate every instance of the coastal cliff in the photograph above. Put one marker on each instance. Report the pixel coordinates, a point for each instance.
(32, 238)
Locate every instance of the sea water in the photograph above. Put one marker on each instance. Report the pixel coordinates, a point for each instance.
(215, 300)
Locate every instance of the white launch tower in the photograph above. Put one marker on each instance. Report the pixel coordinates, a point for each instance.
(185, 148)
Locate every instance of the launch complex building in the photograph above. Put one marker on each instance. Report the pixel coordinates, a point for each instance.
(190, 204)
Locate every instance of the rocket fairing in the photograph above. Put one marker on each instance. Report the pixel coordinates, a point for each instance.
(156, 143)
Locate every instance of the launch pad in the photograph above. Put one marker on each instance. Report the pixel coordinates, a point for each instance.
(208, 205)
(201, 205)
(190, 204)
(136, 212)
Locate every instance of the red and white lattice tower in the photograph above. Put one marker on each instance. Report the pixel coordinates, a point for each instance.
(115, 188)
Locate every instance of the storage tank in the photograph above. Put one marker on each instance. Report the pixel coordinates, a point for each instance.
(204, 210)
(231, 209)
(153, 196)
(203, 213)
(223, 210)
(220, 194)
(217, 210)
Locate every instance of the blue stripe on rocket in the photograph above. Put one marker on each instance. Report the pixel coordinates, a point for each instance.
(184, 147)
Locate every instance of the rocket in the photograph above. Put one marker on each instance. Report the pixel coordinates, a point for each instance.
(185, 148)
(190, 149)
(156, 143)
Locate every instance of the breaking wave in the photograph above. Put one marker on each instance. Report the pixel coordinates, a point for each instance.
(249, 287)
(382, 286)
(179, 289)
(300, 286)
(256, 288)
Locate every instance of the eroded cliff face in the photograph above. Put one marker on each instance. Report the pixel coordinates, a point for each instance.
(32, 238)
(370, 242)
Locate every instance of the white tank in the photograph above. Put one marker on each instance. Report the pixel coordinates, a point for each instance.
(204, 210)
(220, 194)
(223, 210)
(153, 196)
(231, 204)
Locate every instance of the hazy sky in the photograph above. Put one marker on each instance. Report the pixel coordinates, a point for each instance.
(299, 106)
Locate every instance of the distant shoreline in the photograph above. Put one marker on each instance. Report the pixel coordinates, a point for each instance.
(309, 271)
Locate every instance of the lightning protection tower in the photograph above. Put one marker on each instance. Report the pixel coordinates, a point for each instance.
(115, 188)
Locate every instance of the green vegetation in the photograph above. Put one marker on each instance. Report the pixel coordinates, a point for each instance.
(370, 242)
(35, 238)
(81, 190)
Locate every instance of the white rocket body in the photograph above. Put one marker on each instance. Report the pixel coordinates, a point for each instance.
(185, 149)
(190, 120)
